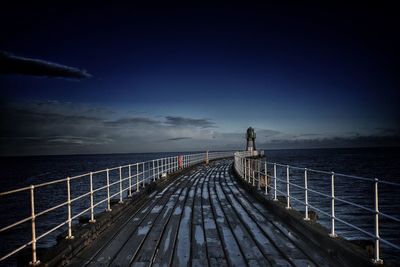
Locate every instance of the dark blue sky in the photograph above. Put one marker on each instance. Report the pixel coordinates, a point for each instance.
(301, 75)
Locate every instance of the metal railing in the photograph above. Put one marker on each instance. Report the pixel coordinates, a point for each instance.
(138, 175)
(254, 170)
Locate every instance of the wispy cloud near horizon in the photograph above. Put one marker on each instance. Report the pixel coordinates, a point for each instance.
(53, 127)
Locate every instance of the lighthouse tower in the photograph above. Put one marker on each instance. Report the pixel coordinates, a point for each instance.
(251, 140)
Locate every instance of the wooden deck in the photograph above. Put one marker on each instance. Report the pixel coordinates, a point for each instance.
(200, 219)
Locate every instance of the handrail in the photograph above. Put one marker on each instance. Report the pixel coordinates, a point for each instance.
(252, 169)
(144, 173)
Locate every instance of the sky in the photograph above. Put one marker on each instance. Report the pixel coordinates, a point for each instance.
(123, 77)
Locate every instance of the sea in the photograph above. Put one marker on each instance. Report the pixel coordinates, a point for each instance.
(381, 163)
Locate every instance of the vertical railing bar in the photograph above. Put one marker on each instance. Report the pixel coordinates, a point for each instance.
(154, 175)
(159, 169)
(130, 181)
(33, 227)
(377, 259)
(253, 163)
(143, 175)
(306, 217)
(108, 190)
(137, 177)
(259, 174)
(120, 185)
(248, 171)
(92, 220)
(275, 196)
(266, 177)
(287, 188)
(69, 236)
(333, 234)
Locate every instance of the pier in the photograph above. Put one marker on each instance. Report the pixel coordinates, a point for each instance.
(204, 209)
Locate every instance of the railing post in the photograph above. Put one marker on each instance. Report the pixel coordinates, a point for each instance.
(266, 178)
(130, 181)
(108, 191)
(259, 174)
(207, 161)
(249, 171)
(137, 178)
(245, 169)
(275, 197)
(253, 171)
(92, 220)
(143, 176)
(154, 174)
(306, 218)
(158, 168)
(120, 185)
(69, 236)
(377, 259)
(162, 166)
(176, 163)
(34, 261)
(287, 188)
(333, 234)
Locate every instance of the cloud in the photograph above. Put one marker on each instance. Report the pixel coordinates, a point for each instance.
(334, 142)
(132, 121)
(182, 121)
(53, 127)
(177, 139)
(10, 64)
(267, 133)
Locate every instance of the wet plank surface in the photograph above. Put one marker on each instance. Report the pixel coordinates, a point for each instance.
(200, 219)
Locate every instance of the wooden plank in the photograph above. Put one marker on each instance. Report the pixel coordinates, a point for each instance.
(182, 247)
(215, 249)
(198, 244)
(234, 255)
(129, 250)
(166, 247)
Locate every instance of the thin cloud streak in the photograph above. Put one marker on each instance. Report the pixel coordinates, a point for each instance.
(182, 121)
(10, 64)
